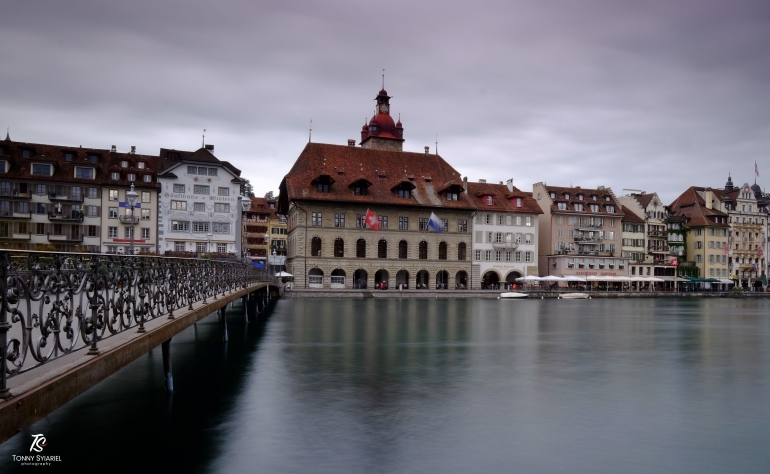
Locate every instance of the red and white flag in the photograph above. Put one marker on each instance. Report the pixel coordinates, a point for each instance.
(372, 221)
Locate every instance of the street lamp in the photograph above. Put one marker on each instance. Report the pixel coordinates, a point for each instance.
(267, 251)
(131, 197)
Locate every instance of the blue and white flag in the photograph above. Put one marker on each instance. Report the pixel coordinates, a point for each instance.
(435, 224)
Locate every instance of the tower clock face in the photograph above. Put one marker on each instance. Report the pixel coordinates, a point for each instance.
(384, 109)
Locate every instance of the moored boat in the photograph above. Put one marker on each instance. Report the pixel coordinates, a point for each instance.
(513, 295)
(575, 296)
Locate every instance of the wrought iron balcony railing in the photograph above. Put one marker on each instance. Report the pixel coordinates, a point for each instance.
(53, 304)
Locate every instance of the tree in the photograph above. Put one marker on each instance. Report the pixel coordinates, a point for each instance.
(247, 190)
(269, 195)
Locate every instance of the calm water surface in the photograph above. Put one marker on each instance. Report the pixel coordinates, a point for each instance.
(447, 386)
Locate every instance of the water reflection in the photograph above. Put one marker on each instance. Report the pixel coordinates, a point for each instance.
(449, 386)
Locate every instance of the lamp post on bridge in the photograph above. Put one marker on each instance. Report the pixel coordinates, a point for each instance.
(267, 251)
(131, 197)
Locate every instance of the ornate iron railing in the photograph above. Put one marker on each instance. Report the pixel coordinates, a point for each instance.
(52, 304)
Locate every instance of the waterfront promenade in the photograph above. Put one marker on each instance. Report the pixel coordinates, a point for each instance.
(494, 294)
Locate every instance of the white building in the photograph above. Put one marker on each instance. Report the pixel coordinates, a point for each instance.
(505, 232)
(199, 204)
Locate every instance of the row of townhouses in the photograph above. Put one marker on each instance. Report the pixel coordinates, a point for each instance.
(74, 199)
(494, 234)
(434, 228)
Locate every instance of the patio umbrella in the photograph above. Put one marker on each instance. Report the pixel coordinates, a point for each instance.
(574, 278)
(283, 274)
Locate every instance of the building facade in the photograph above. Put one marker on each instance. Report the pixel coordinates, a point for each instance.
(326, 196)
(658, 258)
(746, 208)
(119, 220)
(52, 197)
(505, 231)
(580, 231)
(199, 204)
(255, 227)
(706, 231)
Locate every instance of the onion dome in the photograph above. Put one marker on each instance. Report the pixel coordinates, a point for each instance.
(756, 189)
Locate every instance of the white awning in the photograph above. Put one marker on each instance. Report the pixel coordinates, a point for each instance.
(726, 281)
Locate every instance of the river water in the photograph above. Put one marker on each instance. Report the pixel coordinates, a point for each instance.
(438, 386)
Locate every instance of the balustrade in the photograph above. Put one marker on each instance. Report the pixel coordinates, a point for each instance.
(52, 304)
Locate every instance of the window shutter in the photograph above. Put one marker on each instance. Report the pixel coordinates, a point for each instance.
(479, 235)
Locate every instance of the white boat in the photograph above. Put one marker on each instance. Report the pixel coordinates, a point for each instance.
(575, 296)
(513, 295)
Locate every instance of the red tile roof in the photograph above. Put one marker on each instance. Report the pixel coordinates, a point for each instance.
(384, 169)
(19, 168)
(503, 200)
(600, 194)
(643, 199)
(692, 206)
(630, 217)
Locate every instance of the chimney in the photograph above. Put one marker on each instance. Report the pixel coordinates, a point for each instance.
(133, 149)
(600, 188)
(114, 149)
(482, 181)
(427, 150)
(509, 183)
(465, 184)
(210, 147)
(351, 142)
(708, 198)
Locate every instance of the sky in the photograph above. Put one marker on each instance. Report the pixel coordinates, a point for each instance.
(657, 95)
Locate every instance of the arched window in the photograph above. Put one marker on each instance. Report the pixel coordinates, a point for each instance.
(402, 249)
(315, 247)
(423, 250)
(339, 248)
(461, 251)
(442, 251)
(382, 249)
(360, 248)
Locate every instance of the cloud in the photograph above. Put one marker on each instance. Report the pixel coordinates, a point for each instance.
(653, 95)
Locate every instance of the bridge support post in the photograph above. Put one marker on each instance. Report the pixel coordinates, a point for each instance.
(167, 375)
(251, 307)
(224, 321)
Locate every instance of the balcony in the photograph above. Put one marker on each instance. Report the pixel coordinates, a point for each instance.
(505, 245)
(15, 194)
(65, 238)
(657, 233)
(657, 249)
(74, 217)
(21, 236)
(15, 215)
(589, 227)
(132, 220)
(64, 198)
(588, 241)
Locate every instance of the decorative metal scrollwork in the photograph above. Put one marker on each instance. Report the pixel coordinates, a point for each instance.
(52, 304)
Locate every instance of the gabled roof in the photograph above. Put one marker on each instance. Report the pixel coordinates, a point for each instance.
(691, 205)
(601, 195)
(643, 199)
(504, 199)
(385, 169)
(630, 217)
(170, 159)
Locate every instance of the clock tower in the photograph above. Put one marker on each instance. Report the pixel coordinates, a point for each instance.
(381, 132)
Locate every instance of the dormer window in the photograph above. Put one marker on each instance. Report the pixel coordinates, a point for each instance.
(518, 202)
(566, 195)
(360, 187)
(580, 197)
(132, 176)
(39, 169)
(140, 165)
(322, 183)
(607, 198)
(85, 172)
(93, 158)
(148, 178)
(488, 200)
(124, 164)
(611, 209)
(593, 197)
(579, 207)
(3, 166)
(359, 190)
(404, 193)
(562, 206)
(68, 156)
(594, 207)
(322, 187)
(451, 196)
(26, 153)
(115, 175)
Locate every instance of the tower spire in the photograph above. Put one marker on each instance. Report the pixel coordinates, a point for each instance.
(8, 134)
(383, 79)
(203, 140)
(310, 132)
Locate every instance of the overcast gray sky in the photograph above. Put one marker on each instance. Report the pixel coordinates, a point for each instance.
(655, 95)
